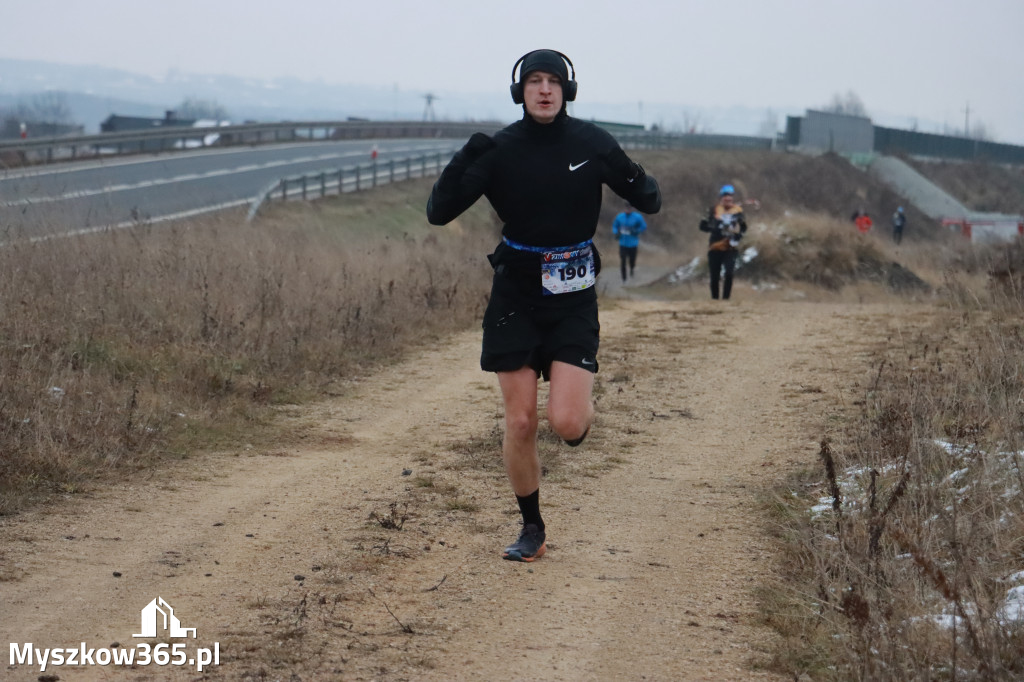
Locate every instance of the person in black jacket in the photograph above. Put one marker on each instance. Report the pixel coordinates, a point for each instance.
(899, 221)
(726, 226)
(543, 175)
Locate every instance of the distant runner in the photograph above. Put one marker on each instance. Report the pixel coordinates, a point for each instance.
(543, 175)
(627, 226)
(899, 221)
(726, 225)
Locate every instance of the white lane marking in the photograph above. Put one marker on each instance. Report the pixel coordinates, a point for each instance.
(82, 193)
(192, 212)
(118, 162)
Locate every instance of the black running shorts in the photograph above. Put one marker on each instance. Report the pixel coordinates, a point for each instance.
(521, 330)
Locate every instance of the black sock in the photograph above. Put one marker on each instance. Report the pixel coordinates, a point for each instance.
(529, 506)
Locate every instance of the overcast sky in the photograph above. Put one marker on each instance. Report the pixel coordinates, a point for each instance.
(929, 59)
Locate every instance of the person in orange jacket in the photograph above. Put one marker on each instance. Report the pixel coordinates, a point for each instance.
(863, 222)
(726, 225)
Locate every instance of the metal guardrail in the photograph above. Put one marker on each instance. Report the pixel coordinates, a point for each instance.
(365, 176)
(660, 140)
(177, 138)
(350, 179)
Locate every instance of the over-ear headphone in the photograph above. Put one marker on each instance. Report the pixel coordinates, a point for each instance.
(568, 88)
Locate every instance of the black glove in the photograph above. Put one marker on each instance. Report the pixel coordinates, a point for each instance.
(478, 145)
(621, 166)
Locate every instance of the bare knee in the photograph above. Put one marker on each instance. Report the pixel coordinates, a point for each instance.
(569, 424)
(521, 426)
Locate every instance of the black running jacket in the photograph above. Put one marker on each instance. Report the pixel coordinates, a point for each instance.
(544, 181)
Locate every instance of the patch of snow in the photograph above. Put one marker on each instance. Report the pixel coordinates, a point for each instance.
(1012, 610)
(956, 475)
(685, 272)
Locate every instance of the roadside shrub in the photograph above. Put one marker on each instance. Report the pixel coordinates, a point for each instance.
(902, 558)
(122, 346)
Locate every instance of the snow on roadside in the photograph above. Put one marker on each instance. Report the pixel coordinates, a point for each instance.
(1011, 612)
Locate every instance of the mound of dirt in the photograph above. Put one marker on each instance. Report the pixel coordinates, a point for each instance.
(812, 249)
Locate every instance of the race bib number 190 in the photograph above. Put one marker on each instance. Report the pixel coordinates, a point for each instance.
(562, 272)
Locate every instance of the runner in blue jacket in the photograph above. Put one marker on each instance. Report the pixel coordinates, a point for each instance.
(627, 226)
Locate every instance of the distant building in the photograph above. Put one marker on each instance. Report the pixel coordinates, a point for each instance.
(123, 124)
(822, 131)
(827, 131)
(119, 124)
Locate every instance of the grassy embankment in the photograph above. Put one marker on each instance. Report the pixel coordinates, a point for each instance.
(121, 349)
(901, 556)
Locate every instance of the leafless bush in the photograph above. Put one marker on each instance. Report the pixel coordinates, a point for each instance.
(120, 346)
(903, 570)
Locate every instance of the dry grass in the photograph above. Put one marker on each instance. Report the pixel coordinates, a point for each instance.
(825, 252)
(903, 569)
(128, 346)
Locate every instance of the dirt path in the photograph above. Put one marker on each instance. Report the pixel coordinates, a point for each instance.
(285, 558)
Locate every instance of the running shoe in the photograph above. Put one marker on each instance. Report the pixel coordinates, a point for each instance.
(528, 547)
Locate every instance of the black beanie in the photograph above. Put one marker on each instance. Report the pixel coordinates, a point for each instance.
(548, 61)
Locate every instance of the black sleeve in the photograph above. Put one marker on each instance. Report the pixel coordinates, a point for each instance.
(705, 222)
(626, 177)
(462, 182)
(743, 223)
(642, 192)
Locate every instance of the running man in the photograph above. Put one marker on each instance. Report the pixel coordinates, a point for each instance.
(543, 176)
(726, 226)
(627, 226)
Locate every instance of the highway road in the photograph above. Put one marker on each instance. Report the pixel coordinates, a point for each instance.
(74, 197)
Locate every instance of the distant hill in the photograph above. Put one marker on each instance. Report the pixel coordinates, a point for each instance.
(95, 92)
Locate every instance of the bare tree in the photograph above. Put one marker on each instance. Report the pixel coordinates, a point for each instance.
(47, 111)
(48, 107)
(692, 123)
(769, 125)
(51, 107)
(195, 108)
(849, 104)
(980, 131)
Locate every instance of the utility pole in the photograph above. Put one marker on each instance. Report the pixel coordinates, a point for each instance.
(428, 111)
(967, 120)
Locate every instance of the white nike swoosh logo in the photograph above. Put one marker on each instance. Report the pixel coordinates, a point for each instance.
(578, 165)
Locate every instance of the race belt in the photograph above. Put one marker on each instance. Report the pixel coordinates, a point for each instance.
(563, 269)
